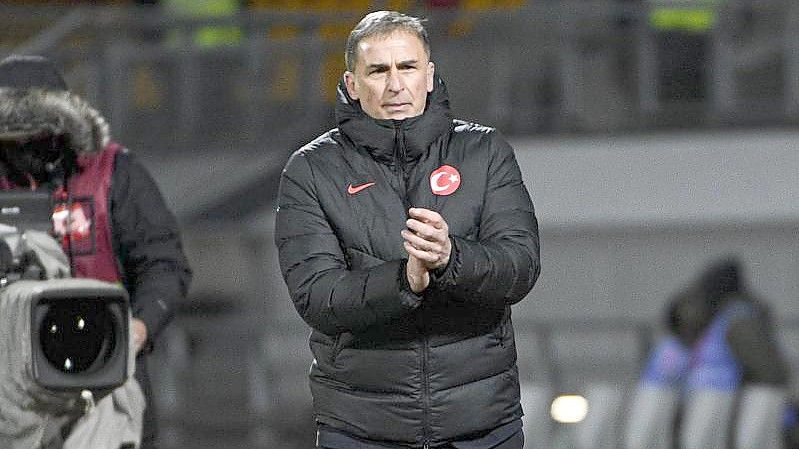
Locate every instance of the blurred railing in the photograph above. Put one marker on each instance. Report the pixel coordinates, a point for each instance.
(534, 67)
(266, 401)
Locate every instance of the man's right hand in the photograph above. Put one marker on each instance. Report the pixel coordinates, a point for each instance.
(417, 274)
(426, 239)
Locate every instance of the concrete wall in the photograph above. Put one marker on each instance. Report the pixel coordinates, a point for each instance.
(626, 221)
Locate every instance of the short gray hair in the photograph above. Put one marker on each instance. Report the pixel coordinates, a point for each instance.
(382, 23)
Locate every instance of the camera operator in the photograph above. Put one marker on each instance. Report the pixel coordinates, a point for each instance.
(109, 214)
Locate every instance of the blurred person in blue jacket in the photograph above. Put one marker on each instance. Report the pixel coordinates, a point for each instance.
(720, 338)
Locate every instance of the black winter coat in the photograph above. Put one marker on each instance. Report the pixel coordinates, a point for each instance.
(391, 365)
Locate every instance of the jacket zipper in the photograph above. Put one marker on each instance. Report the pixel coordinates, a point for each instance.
(400, 153)
(425, 394)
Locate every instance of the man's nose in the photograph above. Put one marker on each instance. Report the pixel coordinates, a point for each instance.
(395, 83)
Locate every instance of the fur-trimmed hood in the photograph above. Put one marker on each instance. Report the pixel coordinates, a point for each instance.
(35, 112)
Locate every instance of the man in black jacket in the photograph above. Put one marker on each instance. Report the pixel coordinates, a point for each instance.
(404, 238)
(110, 215)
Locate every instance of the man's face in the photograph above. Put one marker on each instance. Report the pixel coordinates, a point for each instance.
(392, 76)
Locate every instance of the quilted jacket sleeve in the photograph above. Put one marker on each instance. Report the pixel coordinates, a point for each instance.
(502, 265)
(327, 295)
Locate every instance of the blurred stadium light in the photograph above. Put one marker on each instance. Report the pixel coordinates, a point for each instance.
(569, 408)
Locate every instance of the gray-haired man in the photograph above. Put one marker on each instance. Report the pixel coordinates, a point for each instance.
(404, 237)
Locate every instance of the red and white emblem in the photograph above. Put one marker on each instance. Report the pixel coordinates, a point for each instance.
(445, 180)
(79, 225)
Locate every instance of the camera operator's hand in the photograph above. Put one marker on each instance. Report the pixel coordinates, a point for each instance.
(139, 334)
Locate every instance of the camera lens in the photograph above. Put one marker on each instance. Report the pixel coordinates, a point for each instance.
(77, 335)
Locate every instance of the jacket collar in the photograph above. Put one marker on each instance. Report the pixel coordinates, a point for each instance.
(378, 136)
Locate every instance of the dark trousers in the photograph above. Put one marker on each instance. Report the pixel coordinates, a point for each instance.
(514, 442)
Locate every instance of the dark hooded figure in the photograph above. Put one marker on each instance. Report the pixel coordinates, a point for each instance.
(720, 291)
(109, 214)
(721, 338)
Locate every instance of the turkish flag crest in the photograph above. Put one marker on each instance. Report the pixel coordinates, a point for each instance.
(445, 180)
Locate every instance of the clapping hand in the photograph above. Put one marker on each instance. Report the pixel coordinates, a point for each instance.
(428, 245)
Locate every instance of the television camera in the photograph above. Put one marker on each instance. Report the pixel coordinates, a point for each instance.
(64, 342)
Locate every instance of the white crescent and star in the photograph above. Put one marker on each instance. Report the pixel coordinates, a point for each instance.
(445, 180)
(435, 182)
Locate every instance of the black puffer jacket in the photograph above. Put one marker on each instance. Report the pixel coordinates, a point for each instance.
(390, 365)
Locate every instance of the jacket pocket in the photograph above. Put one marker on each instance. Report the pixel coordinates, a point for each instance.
(337, 346)
(341, 342)
(500, 332)
(504, 330)
(324, 347)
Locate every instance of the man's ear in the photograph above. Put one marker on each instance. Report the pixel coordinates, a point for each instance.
(349, 81)
(431, 71)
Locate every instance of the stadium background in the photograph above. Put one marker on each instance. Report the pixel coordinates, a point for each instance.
(645, 162)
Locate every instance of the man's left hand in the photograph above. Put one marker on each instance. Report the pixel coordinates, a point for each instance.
(427, 237)
(139, 334)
